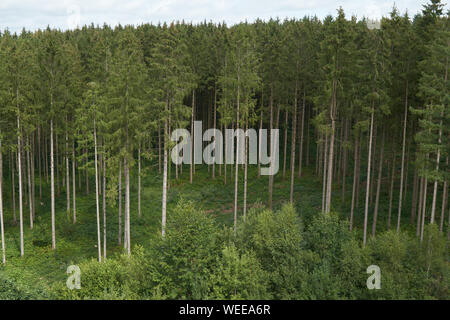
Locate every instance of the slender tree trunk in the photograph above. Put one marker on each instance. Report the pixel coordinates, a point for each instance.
(245, 171)
(2, 231)
(403, 160)
(259, 139)
(119, 239)
(294, 127)
(19, 170)
(414, 197)
(66, 153)
(331, 153)
(39, 163)
(164, 193)
(391, 192)
(104, 208)
(192, 137)
(369, 159)
(52, 183)
(419, 210)
(435, 186)
(13, 185)
(302, 124)
(285, 143)
(424, 209)
(33, 185)
(74, 192)
(307, 138)
(139, 182)
(30, 193)
(271, 147)
(214, 124)
(236, 172)
(355, 181)
(380, 175)
(344, 160)
(444, 201)
(127, 205)
(99, 244)
(324, 182)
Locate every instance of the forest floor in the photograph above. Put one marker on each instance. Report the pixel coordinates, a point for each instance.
(41, 266)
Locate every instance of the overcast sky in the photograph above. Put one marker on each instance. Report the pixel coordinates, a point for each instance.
(64, 14)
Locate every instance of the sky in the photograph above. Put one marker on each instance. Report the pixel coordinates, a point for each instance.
(67, 14)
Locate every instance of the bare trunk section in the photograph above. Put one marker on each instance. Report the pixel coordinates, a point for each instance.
(139, 182)
(99, 244)
(13, 186)
(331, 153)
(30, 193)
(119, 239)
(302, 123)
(355, 181)
(369, 173)
(74, 192)
(104, 208)
(324, 182)
(435, 186)
(444, 201)
(285, 143)
(380, 175)
(294, 127)
(2, 231)
(19, 170)
(391, 191)
(400, 197)
(66, 153)
(192, 137)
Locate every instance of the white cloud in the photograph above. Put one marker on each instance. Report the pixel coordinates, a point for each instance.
(16, 14)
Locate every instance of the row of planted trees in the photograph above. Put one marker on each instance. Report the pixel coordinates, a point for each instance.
(368, 107)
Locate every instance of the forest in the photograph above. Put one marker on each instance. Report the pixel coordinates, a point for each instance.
(87, 177)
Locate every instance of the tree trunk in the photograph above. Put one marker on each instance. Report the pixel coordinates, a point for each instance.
(104, 208)
(324, 182)
(285, 143)
(236, 172)
(391, 191)
(355, 181)
(2, 231)
(444, 201)
(30, 193)
(435, 186)
(13, 186)
(331, 153)
(52, 183)
(419, 210)
(403, 160)
(119, 239)
(414, 197)
(66, 153)
(369, 173)
(380, 175)
(74, 192)
(294, 127)
(192, 136)
(271, 149)
(139, 182)
(40, 163)
(424, 211)
(127, 206)
(99, 244)
(300, 151)
(214, 124)
(245, 171)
